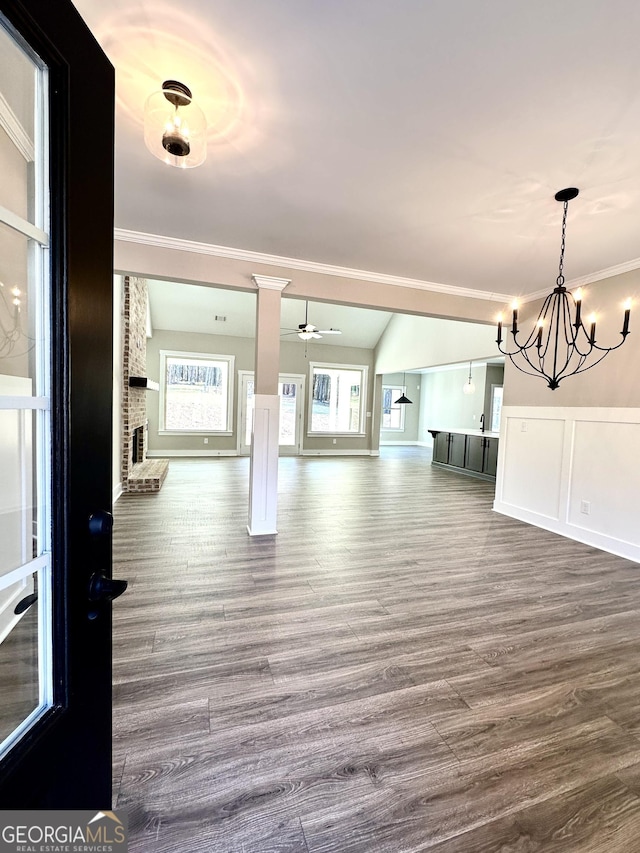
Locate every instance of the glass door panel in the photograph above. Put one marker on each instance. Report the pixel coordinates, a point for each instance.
(290, 390)
(288, 413)
(17, 334)
(16, 485)
(25, 428)
(19, 86)
(19, 654)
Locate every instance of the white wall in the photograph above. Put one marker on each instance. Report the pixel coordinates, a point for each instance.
(411, 342)
(444, 406)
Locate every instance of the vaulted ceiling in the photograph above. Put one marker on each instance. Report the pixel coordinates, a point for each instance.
(417, 139)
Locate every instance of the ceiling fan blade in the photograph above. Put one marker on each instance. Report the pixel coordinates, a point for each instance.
(329, 331)
(315, 335)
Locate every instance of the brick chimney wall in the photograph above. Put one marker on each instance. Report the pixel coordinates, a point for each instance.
(134, 348)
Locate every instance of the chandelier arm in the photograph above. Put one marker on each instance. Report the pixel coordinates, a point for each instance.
(605, 350)
(533, 372)
(538, 369)
(562, 374)
(588, 342)
(531, 340)
(581, 369)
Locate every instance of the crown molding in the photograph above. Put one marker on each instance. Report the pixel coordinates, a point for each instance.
(15, 131)
(298, 264)
(582, 281)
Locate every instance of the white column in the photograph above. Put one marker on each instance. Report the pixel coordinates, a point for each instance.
(263, 476)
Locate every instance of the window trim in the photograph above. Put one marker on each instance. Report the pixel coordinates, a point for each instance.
(209, 356)
(364, 369)
(403, 390)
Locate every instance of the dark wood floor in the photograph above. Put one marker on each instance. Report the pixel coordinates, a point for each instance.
(400, 669)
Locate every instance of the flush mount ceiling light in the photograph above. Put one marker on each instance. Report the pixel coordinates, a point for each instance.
(175, 129)
(469, 387)
(559, 344)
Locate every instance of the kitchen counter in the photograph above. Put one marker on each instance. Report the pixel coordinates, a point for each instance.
(486, 433)
(467, 451)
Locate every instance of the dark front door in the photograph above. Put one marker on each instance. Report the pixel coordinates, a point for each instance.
(56, 261)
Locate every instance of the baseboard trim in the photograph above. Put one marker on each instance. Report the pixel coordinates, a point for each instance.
(258, 532)
(337, 453)
(398, 443)
(116, 492)
(166, 454)
(579, 534)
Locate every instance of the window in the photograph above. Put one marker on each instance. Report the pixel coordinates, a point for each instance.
(392, 413)
(196, 392)
(337, 398)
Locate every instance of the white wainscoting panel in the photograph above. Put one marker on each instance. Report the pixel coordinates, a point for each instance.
(575, 471)
(526, 483)
(603, 452)
(263, 469)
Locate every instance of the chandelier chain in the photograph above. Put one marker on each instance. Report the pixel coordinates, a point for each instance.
(560, 279)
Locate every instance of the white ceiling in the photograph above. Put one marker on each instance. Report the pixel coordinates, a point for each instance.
(418, 139)
(193, 308)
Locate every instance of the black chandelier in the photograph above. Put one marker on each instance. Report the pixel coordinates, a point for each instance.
(559, 344)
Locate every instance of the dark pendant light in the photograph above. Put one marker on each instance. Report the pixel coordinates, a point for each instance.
(559, 344)
(403, 399)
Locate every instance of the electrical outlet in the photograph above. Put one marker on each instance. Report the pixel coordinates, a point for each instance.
(206, 441)
(523, 426)
(585, 507)
(335, 440)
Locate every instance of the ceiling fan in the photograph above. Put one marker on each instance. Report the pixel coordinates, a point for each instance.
(306, 331)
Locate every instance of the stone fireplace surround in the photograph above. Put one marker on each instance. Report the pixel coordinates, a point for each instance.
(139, 474)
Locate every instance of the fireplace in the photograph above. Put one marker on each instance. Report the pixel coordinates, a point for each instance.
(137, 445)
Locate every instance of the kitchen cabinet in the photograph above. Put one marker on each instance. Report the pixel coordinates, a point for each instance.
(457, 449)
(469, 452)
(441, 447)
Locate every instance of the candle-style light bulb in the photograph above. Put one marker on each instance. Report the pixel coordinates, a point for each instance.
(627, 314)
(578, 298)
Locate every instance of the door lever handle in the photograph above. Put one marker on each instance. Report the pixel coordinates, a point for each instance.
(102, 588)
(25, 604)
(100, 523)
